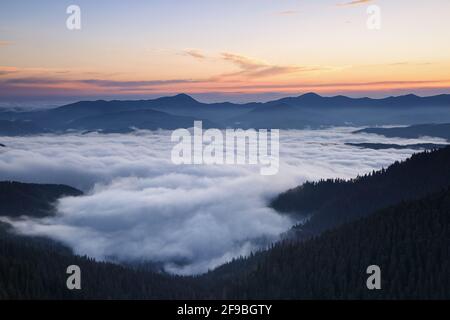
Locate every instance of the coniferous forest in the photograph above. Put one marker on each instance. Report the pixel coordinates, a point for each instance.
(397, 218)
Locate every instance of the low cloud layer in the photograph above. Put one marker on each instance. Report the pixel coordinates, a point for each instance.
(140, 207)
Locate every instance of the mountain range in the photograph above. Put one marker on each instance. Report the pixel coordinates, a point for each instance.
(308, 110)
(441, 130)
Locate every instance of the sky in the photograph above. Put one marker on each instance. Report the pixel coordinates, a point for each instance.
(217, 50)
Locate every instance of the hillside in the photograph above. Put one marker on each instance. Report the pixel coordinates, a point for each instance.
(36, 200)
(307, 110)
(313, 110)
(126, 121)
(413, 132)
(165, 113)
(410, 243)
(408, 237)
(19, 128)
(414, 146)
(333, 202)
(31, 268)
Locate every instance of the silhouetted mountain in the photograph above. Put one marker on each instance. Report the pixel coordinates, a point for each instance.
(409, 242)
(381, 146)
(413, 132)
(330, 203)
(19, 128)
(32, 268)
(28, 199)
(70, 116)
(312, 110)
(406, 101)
(308, 110)
(126, 121)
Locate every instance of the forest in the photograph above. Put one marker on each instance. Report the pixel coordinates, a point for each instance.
(397, 218)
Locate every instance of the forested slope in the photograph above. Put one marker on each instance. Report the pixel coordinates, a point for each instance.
(334, 202)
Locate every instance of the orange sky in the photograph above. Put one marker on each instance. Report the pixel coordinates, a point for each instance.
(224, 47)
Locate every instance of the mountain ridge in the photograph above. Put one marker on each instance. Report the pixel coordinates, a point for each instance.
(307, 110)
(31, 199)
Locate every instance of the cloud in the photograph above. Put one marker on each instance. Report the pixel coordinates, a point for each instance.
(33, 80)
(137, 84)
(97, 82)
(5, 43)
(46, 81)
(340, 86)
(352, 3)
(408, 63)
(140, 207)
(7, 70)
(244, 73)
(195, 54)
(252, 68)
(234, 82)
(288, 12)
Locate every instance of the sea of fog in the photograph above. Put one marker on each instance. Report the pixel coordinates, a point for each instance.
(139, 206)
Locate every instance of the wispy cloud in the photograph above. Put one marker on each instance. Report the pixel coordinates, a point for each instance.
(352, 3)
(7, 70)
(114, 83)
(5, 43)
(288, 12)
(253, 68)
(197, 54)
(407, 63)
(239, 73)
(249, 67)
(341, 86)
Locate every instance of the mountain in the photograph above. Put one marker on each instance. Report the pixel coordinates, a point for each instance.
(413, 132)
(71, 116)
(32, 268)
(308, 110)
(408, 240)
(312, 110)
(414, 146)
(406, 101)
(126, 121)
(27, 199)
(19, 128)
(333, 202)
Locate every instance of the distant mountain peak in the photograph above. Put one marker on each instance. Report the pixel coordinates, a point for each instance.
(184, 97)
(411, 96)
(310, 95)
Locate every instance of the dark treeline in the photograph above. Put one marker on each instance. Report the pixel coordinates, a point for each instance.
(333, 202)
(409, 238)
(410, 242)
(33, 268)
(17, 199)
